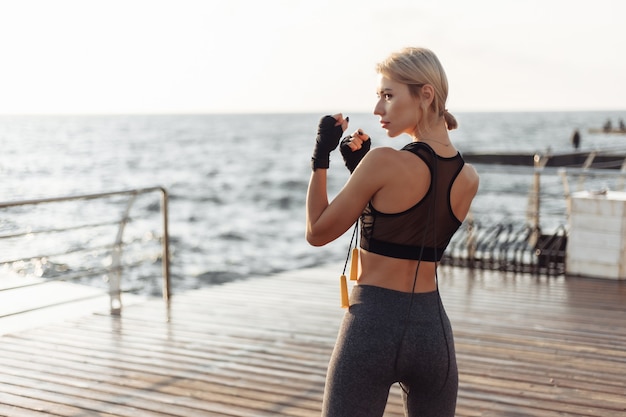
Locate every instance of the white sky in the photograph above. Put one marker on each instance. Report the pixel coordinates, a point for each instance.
(178, 56)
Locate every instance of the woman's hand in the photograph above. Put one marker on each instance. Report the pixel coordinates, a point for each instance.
(353, 148)
(329, 133)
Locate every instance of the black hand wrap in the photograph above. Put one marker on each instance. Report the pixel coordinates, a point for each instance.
(328, 136)
(350, 157)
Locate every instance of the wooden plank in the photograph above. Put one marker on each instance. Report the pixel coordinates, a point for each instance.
(21, 307)
(526, 346)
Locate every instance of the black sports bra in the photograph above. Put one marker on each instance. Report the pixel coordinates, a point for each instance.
(424, 230)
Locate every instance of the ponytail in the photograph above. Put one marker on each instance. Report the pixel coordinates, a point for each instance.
(450, 120)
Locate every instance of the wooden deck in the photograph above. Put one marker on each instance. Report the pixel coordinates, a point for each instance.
(526, 346)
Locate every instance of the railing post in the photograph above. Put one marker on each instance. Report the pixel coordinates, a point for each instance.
(535, 200)
(471, 240)
(115, 278)
(166, 247)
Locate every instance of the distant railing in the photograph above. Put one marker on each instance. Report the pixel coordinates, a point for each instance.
(536, 241)
(89, 238)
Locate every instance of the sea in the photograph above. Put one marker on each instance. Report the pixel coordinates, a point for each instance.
(237, 182)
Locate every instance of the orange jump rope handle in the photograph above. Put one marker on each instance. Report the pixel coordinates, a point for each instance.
(343, 282)
(354, 265)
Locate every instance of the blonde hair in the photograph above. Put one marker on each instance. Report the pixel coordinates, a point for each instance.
(416, 67)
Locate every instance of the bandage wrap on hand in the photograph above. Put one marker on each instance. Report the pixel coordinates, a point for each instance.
(352, 158)
(328, 136)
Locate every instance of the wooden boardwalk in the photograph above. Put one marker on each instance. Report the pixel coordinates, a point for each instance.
(526, 346)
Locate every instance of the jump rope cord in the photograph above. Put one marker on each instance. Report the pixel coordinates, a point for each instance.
(431, 214)
(343, 282)
(354, 233)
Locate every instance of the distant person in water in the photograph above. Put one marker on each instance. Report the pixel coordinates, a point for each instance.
(622, 126)
(608, 126)
(576, 139)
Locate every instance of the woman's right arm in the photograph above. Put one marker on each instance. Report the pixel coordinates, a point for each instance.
(326, 221)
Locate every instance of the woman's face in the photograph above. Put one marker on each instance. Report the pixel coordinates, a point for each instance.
(398, 110)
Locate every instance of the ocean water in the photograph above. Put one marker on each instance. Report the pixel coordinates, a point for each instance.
(237, 183)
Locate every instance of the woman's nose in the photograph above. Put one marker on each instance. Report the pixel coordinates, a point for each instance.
(378, 109)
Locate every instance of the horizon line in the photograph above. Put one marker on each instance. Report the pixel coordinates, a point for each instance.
(259, 112)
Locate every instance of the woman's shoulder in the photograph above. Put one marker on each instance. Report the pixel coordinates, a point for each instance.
(383, 151)
(380, 155)
(471, 177)
(471, 172)
(386, 155)
(392, 161)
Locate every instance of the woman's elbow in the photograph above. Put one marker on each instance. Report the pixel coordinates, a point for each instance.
(314, 240)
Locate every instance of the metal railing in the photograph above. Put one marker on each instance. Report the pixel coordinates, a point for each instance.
(113, 251)
(535, 241)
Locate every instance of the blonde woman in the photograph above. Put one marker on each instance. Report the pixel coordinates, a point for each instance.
(410, 202)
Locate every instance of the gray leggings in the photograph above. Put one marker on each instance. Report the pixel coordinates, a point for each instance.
(375, 349)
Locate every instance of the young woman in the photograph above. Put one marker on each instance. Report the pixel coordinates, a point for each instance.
(410, 203)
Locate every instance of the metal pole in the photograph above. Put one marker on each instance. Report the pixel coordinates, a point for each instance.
(115, 278)
(536, 193)
(166, 249)
(471, 240)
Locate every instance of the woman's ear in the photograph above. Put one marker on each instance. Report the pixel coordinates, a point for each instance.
(427, 94)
